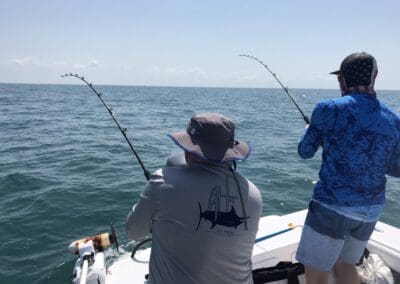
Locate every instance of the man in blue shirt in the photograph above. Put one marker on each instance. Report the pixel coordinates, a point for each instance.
(360, 138)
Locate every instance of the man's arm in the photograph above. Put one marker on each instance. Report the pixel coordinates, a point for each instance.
(394, 166)
(312, 137)
(139, 221)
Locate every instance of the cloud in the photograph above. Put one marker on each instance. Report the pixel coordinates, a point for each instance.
(90, 64)
(93, 63)
(196, 71)
(79, 66)
(155, 69)
(21, 61)
(31, 61)
(178, 71)
(36, 62)
(60, 63)
(171, 70)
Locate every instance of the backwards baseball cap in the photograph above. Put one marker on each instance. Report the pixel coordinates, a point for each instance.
(358, 69)
(211, 137)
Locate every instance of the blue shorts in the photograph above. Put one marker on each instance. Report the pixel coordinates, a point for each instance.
(328, 236)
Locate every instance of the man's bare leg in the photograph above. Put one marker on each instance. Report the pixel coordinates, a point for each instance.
(314, 276)
(346, 273)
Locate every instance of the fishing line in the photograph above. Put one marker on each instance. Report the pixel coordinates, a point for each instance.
(306, 119)
(123, 130)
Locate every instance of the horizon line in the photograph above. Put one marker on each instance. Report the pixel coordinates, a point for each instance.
(170, 86)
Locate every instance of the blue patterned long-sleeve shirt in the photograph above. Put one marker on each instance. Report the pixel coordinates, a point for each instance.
(360, 138)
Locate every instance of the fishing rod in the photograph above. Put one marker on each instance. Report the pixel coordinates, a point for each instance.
(123, 130)
(306, 119)
(290, 227)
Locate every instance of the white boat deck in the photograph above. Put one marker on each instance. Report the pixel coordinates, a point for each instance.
(385, 241)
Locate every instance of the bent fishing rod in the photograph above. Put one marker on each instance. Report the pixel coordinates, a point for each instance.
(286, 89)
(123, 130)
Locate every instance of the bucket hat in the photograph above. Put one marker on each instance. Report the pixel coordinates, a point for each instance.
(211, 137)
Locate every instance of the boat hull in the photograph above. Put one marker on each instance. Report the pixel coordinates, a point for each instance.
(268, 252)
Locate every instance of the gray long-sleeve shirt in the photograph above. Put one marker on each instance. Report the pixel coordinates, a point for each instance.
(196, 220)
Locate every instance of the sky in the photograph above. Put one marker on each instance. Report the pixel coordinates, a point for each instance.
(196, 43)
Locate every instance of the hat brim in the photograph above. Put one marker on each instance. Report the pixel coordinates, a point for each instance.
(239, 151)
(338, 72)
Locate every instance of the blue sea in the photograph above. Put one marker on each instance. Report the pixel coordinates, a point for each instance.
(66, 171)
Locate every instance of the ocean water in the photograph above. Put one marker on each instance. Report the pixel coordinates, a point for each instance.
(66, 172)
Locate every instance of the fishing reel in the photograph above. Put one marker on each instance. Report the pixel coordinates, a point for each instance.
(99, 242)
(90, 268)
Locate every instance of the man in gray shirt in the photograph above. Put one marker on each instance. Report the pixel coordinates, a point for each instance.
(202, 214)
